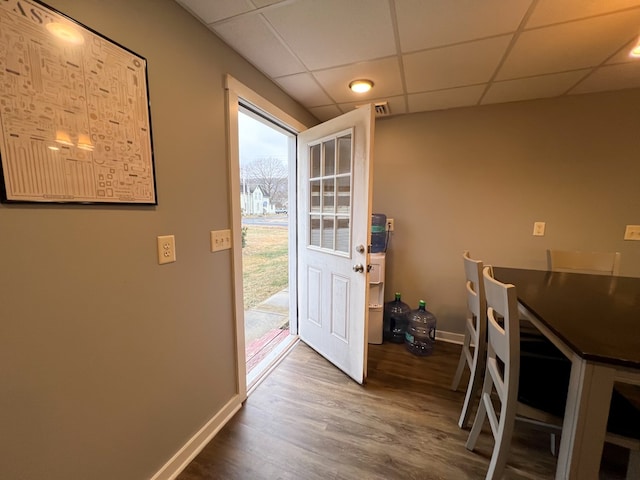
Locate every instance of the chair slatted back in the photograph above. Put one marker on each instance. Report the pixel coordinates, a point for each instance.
(573, 261)
(503, 325)
(476, 301)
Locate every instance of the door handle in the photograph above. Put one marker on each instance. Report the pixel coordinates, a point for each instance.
(358, 268)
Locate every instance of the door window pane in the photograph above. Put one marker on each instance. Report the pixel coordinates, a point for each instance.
(314, 156)
(314, 229)
(344, 154)
(314, 192)
(329, 157)
(327, 233)
(342, 235)
(343, 203)
(328, 195)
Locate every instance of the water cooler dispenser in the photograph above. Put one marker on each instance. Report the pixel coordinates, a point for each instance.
(376, 296)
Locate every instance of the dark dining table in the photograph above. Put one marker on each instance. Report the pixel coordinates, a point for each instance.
(595, 321)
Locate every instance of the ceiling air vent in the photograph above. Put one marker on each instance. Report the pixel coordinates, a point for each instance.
(382, 109)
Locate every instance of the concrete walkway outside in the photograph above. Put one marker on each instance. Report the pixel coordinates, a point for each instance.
(269, 315)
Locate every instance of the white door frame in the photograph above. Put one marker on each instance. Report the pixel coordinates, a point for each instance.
(237, 92)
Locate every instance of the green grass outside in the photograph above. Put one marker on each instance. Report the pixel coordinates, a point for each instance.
(264, 263)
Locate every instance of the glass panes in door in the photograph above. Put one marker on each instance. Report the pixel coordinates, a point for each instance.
(330, 186)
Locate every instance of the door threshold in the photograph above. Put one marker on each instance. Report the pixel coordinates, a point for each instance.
(271, 361)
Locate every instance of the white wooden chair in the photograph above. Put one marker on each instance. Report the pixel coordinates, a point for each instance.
(573, 261)
(474, 346)
(474, 337)
(501, 373)
(534, 398)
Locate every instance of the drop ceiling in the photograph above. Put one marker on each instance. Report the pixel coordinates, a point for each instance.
(427, 55)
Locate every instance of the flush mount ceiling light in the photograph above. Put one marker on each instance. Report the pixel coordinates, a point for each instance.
(361, 86)
(635, 51)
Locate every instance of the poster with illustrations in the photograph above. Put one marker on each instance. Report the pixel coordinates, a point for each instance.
(74, 112)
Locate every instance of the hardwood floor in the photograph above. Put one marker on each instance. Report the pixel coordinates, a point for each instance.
(309, 421)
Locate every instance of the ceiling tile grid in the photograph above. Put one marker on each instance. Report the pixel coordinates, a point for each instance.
(427, 55)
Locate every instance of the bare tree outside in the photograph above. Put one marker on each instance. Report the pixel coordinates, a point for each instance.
(270, 174)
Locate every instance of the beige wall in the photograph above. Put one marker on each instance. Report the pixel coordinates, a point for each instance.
(478, 178)
(109, 362)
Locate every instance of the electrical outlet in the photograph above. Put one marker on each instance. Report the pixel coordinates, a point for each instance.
(390, 224)
(166, 249)
(632, 232)
(220, 240)
(538, 229)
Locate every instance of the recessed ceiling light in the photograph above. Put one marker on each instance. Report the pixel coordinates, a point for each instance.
(361, 86)
(635, 51)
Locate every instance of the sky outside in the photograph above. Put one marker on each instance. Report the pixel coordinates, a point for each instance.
(258, 140)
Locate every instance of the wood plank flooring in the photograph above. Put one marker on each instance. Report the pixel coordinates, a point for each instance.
(309, 421)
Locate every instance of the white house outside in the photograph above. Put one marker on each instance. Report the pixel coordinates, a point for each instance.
(253, 201)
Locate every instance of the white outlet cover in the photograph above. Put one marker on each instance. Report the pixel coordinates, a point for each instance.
(166, 249)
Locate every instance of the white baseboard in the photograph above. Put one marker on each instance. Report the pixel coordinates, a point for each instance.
(450, 337)
(195, 444)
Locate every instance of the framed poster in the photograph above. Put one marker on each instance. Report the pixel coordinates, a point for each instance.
(75, 121)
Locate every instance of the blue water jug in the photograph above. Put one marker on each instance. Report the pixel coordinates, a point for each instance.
(394, 319)
(378, 232)
(420, 336)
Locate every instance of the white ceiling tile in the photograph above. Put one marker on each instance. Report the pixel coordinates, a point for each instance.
(569, 46)
(396, 105)
(264, 3)
(443, 99)
(555, 11)
(385, 74)
(611, 77)
(325, 113)
(210, 12)
(429, 23)
(334, 32)
(454, 66)
(253, 39)
(305, 89)
(455, 47)
(533, 87)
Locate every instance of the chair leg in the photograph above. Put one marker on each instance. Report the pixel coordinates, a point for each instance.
(487, 386)
(633, 469)
(555, 444)
(503, 441)
(461, 363)
(475, 382)
(477, 426)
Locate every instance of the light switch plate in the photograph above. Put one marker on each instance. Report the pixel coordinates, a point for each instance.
(166, 249)
(220, 240)
(538, 229)
(632, 232)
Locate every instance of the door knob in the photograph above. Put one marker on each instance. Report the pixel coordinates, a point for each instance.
(358, 268)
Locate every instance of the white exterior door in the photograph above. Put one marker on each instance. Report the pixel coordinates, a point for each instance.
(334, 216)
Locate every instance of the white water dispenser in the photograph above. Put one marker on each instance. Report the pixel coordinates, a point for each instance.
(376, 296)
